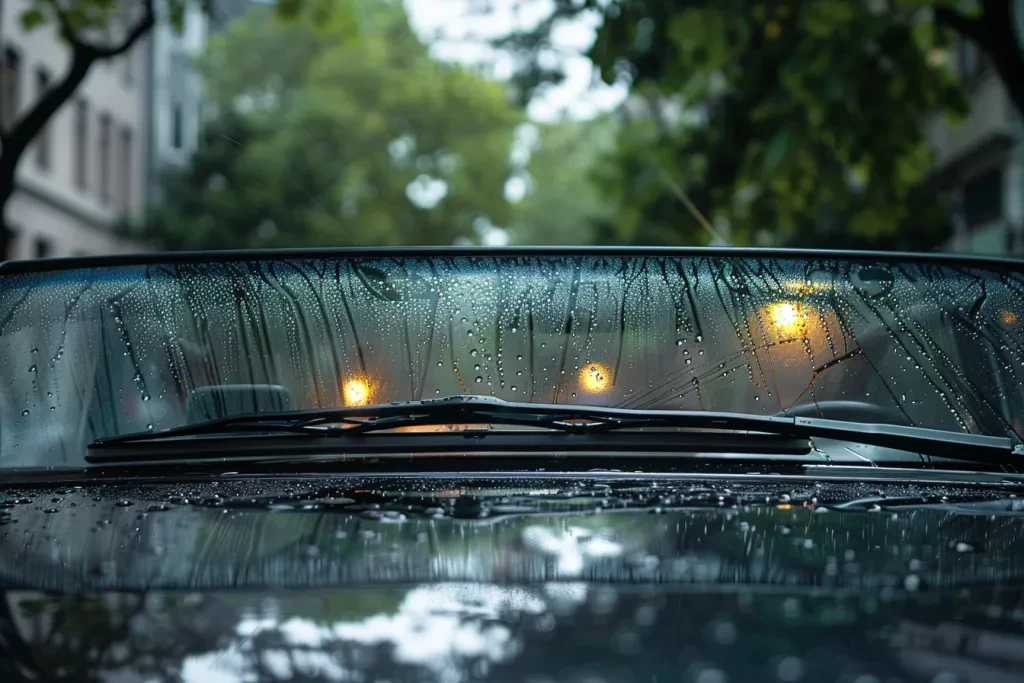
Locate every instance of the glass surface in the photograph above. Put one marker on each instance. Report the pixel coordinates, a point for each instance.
(92, 353)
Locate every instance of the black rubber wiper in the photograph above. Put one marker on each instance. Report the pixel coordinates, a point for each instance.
(580, 420)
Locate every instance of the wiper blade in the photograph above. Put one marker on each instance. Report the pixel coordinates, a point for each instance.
(572, 419)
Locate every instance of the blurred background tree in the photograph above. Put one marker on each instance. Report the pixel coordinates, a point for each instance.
(559, 202)
(339, 129)
(772, 122)
(781, 121)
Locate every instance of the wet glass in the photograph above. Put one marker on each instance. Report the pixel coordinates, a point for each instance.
(96, 352)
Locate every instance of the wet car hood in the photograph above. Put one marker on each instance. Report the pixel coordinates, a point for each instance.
(541, 578)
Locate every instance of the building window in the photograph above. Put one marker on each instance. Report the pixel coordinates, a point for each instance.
(10, 88)
(43, 138)
(126, 169)
(82, 144)
(104, 157)
(42, 247)
(983, 198)
(177, 126)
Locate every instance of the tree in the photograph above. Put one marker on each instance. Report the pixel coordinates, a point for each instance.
(794, 117)
(93, 31)
(561, 204)
(338, 129)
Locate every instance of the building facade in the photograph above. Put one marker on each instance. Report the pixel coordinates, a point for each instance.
(979, 163)
(176, 103)
(86, 170)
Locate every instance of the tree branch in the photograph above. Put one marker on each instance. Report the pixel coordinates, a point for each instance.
(140, 29)
(83, 54)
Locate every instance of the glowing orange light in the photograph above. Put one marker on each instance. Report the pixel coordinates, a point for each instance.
(595, 378)
(787, 318)
(1008, 317)
(357, 392)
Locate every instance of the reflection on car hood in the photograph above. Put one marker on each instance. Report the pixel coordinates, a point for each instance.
(526, 579)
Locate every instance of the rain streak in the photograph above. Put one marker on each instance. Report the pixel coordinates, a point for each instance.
(92, 353)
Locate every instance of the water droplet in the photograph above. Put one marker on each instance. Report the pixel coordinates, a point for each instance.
(711, 676)
(789, 669)
(724, 632)
(24, 412)
(123, 503)
(478, 380)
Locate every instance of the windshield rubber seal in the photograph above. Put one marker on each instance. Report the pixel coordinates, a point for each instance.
(227, 256)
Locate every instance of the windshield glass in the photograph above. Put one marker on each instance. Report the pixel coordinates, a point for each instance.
(97, 352)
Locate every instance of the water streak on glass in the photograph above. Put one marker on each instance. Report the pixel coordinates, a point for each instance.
(104, 351)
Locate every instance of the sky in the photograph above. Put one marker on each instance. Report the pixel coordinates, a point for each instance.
(459, 31)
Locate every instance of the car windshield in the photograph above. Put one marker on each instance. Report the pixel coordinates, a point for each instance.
(93, 352)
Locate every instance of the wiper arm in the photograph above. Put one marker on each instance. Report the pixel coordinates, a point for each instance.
(571, 419)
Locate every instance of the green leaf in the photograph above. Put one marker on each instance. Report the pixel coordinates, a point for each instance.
(778, 148)
(32, 18)
(873, 221)
(176, 14)
(289, 9)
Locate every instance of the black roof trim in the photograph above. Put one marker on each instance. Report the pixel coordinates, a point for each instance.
(159, 258)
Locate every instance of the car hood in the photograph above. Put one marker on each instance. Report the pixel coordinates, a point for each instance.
(602, 578)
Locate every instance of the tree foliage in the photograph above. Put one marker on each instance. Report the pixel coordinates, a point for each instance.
(339, 129)
(562, 204)
(786, 119)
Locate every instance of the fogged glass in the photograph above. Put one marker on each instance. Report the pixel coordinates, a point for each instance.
(97, 352)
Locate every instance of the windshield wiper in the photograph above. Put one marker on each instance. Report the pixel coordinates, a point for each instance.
(579, 420)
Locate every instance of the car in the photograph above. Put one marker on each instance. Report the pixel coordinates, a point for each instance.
(699, 465)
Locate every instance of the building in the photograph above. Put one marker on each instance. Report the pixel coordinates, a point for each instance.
(979, 163)
(176, 106)
(85, 171)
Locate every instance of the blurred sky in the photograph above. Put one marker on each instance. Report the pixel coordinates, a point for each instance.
(459, 31)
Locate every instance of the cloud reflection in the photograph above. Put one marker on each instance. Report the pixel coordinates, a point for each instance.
(440, 629)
